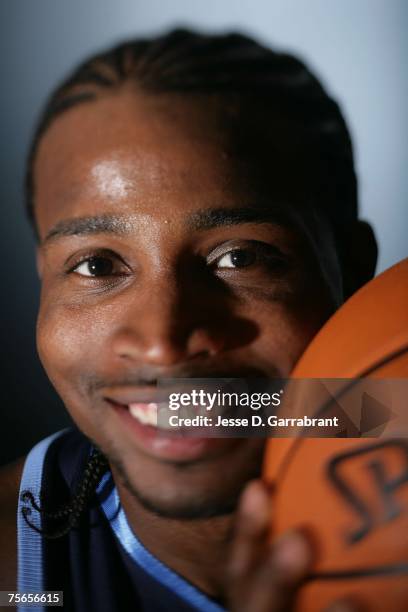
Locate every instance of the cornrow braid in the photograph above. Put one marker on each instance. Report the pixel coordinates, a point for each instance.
(61, 521)
(187, 62)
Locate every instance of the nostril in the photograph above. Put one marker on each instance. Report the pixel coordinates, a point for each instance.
(203, 343)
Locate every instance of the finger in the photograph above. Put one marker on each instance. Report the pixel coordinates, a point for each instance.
(278, 580)
(251, 529)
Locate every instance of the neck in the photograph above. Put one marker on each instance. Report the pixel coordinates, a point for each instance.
(196, 549)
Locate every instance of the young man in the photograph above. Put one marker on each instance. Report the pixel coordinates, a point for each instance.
(195, 203)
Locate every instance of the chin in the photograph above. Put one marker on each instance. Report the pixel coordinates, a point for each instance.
(185, 491)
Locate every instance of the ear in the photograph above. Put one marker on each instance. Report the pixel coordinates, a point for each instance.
(360, 257)
(39, 261)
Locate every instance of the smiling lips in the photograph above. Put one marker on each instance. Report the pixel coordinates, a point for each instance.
(139, 420)
(147, 413)
(144, 406)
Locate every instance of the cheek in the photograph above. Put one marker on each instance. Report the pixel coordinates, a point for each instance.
(69, 340)
(70, 344)
(279, 345)
(285, 330)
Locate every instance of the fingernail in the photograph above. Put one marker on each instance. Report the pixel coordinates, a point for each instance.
(292, 553)
(253, 499)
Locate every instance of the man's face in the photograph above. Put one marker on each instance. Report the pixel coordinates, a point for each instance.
(162, 256)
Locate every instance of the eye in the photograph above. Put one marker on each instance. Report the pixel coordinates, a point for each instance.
(238, 258)
(252, 254)
(95, 266)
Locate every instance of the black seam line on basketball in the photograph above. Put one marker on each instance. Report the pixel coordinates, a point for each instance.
(385, 360)
(343, 487)
(288, 457)
(354, 381)
(382, 570)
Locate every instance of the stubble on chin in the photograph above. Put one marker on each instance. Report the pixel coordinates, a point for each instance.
(201, 507)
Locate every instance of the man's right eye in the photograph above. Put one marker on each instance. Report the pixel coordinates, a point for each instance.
(95, 266)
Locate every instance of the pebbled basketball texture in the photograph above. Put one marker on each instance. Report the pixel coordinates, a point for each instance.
(351, 494)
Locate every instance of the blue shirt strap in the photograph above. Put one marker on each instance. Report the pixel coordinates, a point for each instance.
(29, 542)
(116, 516)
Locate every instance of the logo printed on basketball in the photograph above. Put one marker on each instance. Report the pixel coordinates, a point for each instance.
(386, 486)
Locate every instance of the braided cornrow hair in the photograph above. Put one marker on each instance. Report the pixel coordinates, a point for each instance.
(226, 65)
(61, 521)
(187, 62)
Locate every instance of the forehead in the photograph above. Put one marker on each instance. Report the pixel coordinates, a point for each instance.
(131, 150)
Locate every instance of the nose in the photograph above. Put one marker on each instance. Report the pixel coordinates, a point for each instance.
(161, 327)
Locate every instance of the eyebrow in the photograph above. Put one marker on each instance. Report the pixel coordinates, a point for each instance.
(217, 217)
(80, 226)
(199, 221)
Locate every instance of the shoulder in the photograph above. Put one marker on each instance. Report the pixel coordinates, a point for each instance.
(56, 458)
(10, 477)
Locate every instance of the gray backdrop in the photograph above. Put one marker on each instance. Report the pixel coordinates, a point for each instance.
(357, 47)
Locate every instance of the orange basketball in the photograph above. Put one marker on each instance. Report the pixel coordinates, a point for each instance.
(351, 493)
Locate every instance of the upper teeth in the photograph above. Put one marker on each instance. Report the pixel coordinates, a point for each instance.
(145, 413)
